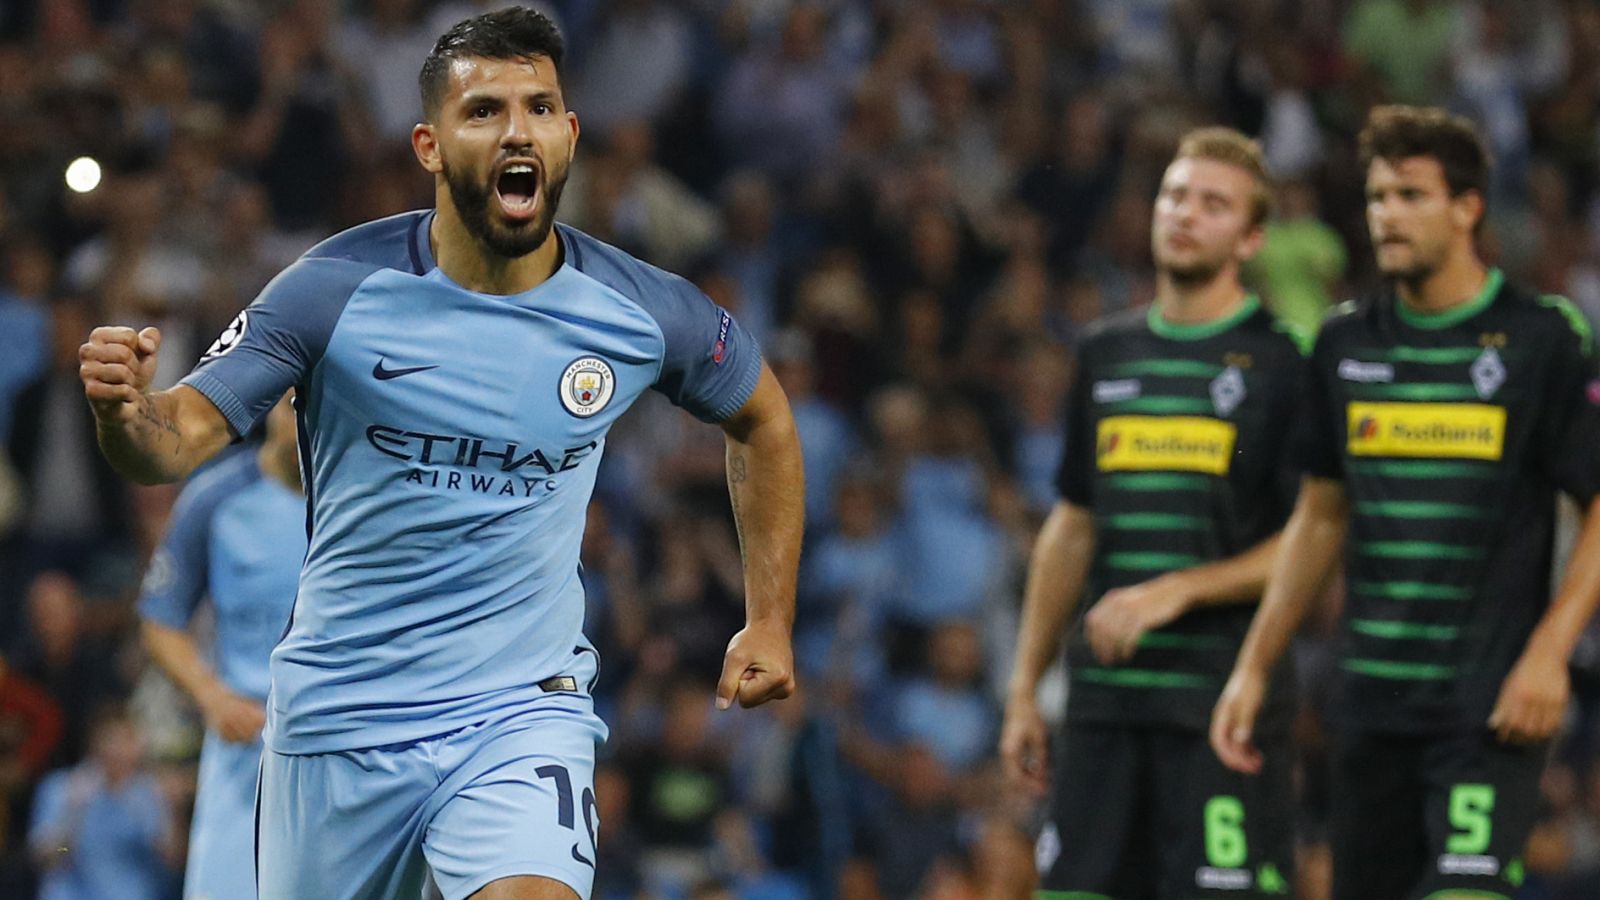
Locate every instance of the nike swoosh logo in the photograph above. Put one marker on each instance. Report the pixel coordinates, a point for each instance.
(382, 374)
(580, 857)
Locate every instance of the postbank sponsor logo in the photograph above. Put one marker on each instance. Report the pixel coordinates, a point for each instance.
(1439, 430)
(1165, 443)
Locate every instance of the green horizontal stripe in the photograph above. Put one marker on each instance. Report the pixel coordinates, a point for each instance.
(1168, 641)
(1142, 678)
(1418, 550)
(1423, 469)
(1418, 391)
(1398, 671)
(1411, 590)
(1159, 404)
(1158, 481)
(1146, 562)
(1167, 367)
(1414, 509)
(1157, 522)
(1431, 355)
(1403, 631)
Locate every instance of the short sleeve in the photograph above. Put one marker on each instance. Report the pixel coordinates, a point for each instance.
(1317, 430)
(710, 364)
(1075, 477)
(275, 342)
(1569, 430)
(178, 576)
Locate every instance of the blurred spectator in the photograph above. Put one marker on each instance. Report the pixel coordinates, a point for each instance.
(945, 709)
(636, 65)
(386, 42)
(828, 437)
(102, 828)
(622, 196)
(781, 104)
(30, 727)
(59, 653)
(76, 505)
(27, 271)
(1302, 263)
(1403, 46)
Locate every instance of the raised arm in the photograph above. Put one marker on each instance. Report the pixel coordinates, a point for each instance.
(149, 437)
(767, 487)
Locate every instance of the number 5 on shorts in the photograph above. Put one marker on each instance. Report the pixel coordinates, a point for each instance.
(1470, 806)
(1225, 844)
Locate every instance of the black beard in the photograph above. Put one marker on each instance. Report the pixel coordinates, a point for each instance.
(1193, 275)
(471, 200)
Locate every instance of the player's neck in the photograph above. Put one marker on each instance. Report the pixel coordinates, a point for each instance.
(1456, 282)
(1196, 304)
(471, 264)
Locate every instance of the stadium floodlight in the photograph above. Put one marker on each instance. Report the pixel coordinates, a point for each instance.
(83, 174)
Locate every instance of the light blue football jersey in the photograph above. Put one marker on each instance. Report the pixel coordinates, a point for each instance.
(237, 537)
(450, 441)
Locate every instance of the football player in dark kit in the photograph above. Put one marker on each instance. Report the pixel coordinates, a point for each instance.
(1173, 490)
(1444, 414)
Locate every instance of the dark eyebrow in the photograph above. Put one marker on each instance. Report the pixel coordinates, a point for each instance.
(473, 98)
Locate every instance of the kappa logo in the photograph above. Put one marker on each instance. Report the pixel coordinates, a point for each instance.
(587, 386)
(230, 336)
(1116, 391)
(1365, 372)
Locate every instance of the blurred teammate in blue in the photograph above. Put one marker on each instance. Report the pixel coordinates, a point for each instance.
(456, 371)
(238, 536)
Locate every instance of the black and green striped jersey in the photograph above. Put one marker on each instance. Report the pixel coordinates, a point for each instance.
(1177, 440)
(1452, 433)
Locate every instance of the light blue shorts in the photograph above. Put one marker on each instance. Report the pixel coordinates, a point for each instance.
(514, 796)
(222, 837)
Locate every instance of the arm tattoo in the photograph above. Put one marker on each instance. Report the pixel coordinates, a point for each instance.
(149, 413)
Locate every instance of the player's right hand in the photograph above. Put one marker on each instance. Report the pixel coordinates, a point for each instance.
(236, 719)
(116, 366)
(1024, 746)
(1234, 720)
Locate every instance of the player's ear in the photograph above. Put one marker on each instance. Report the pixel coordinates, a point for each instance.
(1466, 208)
(425, 143)
(572, 142)
(1250, 244)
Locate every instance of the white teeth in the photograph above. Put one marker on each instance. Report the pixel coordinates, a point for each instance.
(519, 169)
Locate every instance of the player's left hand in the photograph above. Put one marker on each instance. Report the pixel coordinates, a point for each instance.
(1115, 625)
(759, 666)
(1532, 700)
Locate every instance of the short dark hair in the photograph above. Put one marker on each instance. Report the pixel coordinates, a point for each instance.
(516, 32)
(1397, 132)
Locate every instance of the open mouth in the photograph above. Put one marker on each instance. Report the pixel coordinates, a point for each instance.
(517, 189)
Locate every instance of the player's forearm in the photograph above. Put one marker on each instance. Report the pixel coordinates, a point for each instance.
(1308, 550)
(766, 484)
(1056, 573)
(1575, 603)
(1237, 579)
(147, 446)
(175, 652)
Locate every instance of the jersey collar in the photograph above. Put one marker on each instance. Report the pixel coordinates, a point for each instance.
(1200, 330)
(1492, 283)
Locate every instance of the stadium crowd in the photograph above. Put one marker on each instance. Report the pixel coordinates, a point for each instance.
(915, 206)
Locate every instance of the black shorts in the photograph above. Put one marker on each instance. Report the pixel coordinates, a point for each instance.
(1414, 815)
(1143, 813)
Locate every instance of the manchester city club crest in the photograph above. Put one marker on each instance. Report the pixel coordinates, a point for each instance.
(1227, 391)
(587, 386)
